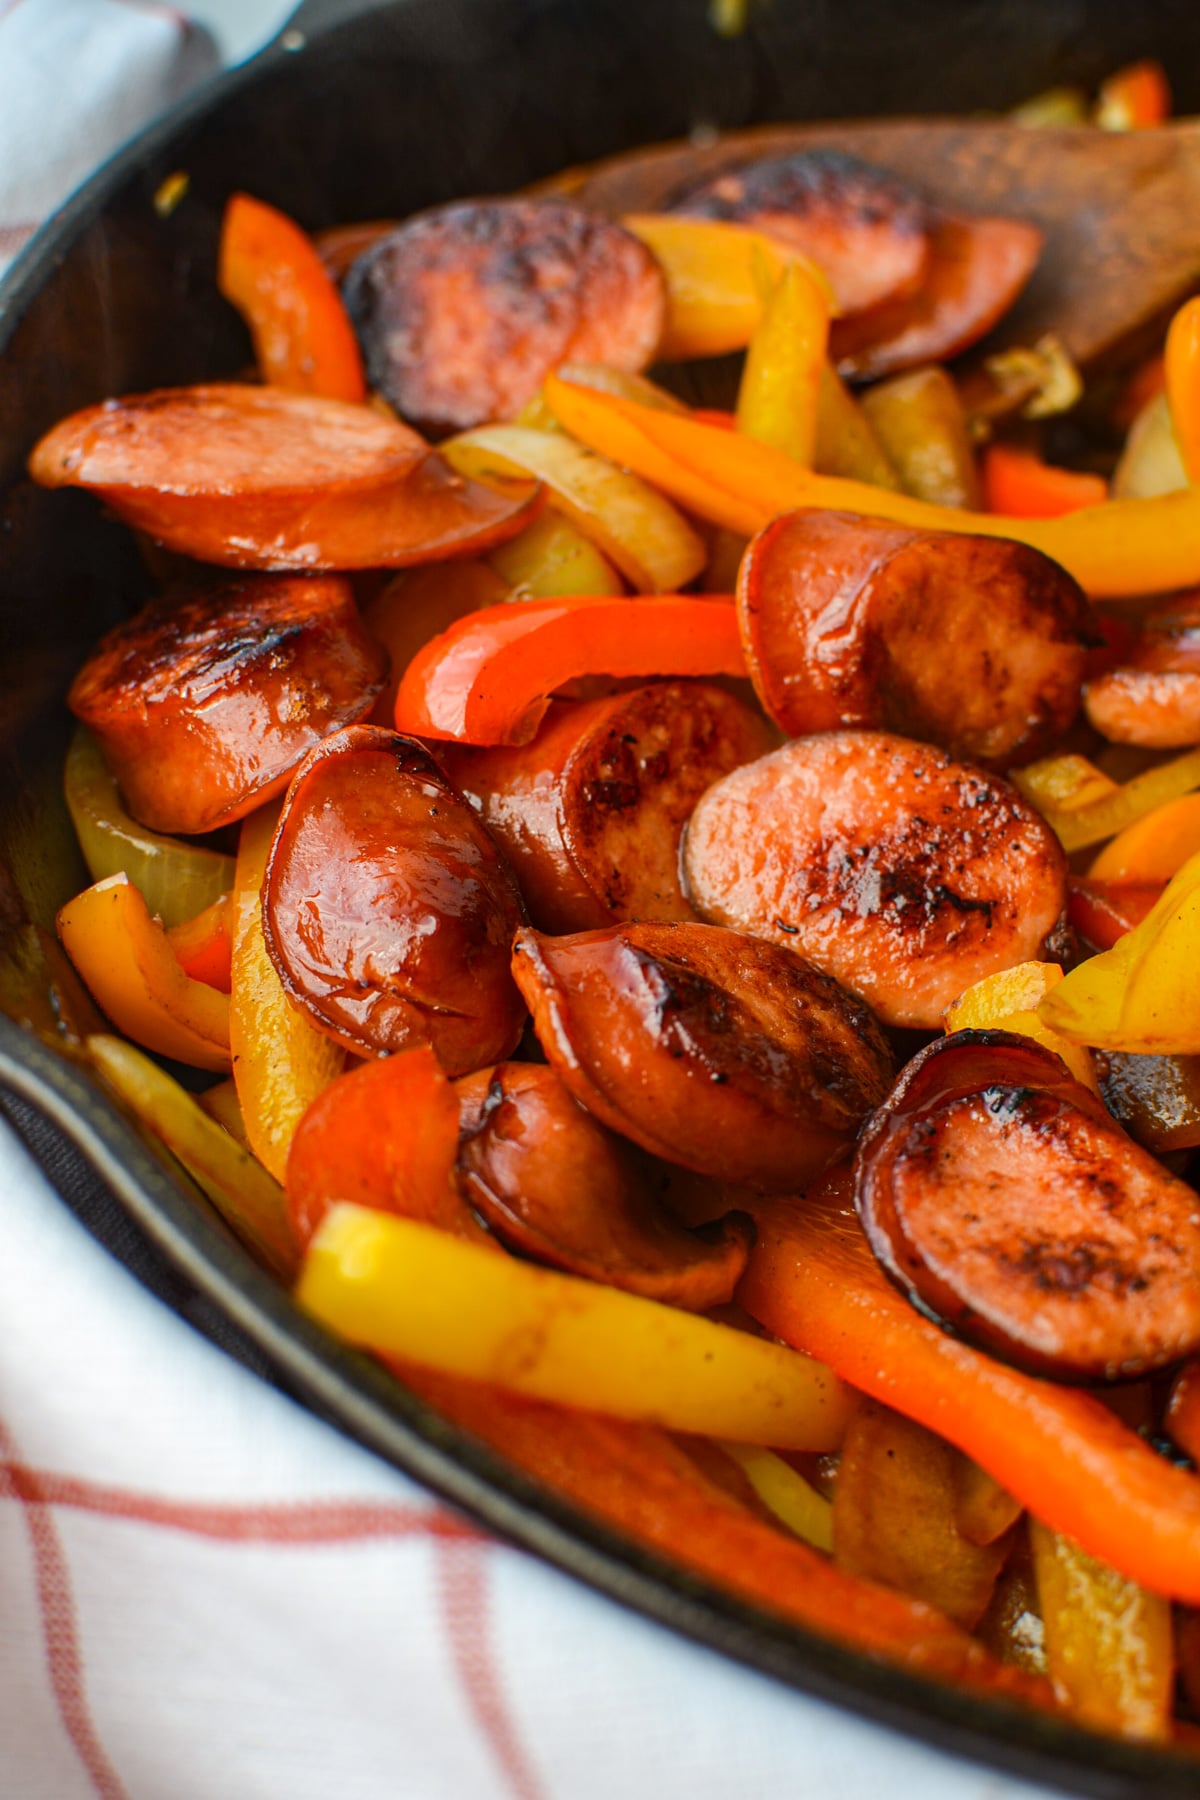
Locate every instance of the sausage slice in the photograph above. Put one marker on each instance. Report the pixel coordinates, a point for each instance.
(1001, 1196)
(553, 1184)
(974, 643)
(903, 874)
(387, 910)
(1154, 698)
(867, 230)
(709, 1049)
(464, 310)
(204, 708)
(590, 813)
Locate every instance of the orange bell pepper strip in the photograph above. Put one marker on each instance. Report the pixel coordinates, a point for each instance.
(780, 391)
(280, 1061)
(1154, 847)
(638, 1480)
(203, 945)
(1135, 98)
(1119, 548)
(1182, 368)
(126, 961)
(813, 1282)
(1103, 911)
(1082, 804)
(488, 679)
(272, 273)
(1017, 481)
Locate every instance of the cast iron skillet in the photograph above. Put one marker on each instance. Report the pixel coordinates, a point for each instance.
(402, 106)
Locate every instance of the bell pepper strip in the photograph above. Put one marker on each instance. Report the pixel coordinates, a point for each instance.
(1135, 98)
(1119, 548)
(634, 527)
(714, 292)
(779, 396)
(416, 604)
(1144, 993)
(784, 1492)
(813, 1282)
(1092, 821)
(1182, 370)
(847, 442)
(246, 1197)
(636, 1479)
(273, 274)
(1109, 1646)
(126, 962)
(280, 1061)
(624, 383)
(920, 420)
(383, 1135)
(203, 946)
(1154, 847)
(1182, 1417)
(488, 679)
(1103, 911)
(1060, 784)
(1008, 1001)
(1017, 481)
(550, 557)
(177, 880)
(408, 1289)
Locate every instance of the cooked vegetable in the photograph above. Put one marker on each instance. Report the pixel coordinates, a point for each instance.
(1017, 481)
(204, 709)
(418, 604)
(1150, 462)
(551, 558)
(752, 1067)
(1136, 97)
(464, 309)
(1154, 697)
(922, 424)
(1103, 911)
(1155, 1098)
(387, 910)
(1154, 847)
(1008, 1001)
(712, 272)
(996, 1190)
(590, 813)
(1097, 807)
(847, 443)
(972, 643)
(779, 395)
(904, 875)
(784, 1492)
(203, 945)
(489, 678)
(1182, 372)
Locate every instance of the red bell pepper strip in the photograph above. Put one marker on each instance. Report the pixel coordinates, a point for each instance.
(1103, 911)
(813, 1282)
(204, 946)
(1135, 98)
(272, 273)
(1018, 482)
(488, 679)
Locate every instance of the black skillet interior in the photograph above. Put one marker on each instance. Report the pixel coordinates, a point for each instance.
(374, 115)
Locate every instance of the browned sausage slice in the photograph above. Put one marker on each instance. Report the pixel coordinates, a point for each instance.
(999, 1193)
(1154, 699)
(590, 813)
(974, 643)
(709, 1049)
(555, 1185)
(904, 875)
(867, 230)
(203, 709)
(387, 910)
(465, 309)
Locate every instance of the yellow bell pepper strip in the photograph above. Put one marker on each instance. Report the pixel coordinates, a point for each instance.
(551, 557)
(126, 962)
(635, 527)
(175, 879)
(847, 442)
(1182, 365)
(247, 1198)
(1144, 993)
(714, 294)
(1153, 848)
(813, 1282)
(1109, 1646)
(921, 422)
(1065, 783)
(408, 1289)
(1008, 1001)
(1116, 549)
(1091, 821)
(784, 1492)
(280, 1062)
(779, 395)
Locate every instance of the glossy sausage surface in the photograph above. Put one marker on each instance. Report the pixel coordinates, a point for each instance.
(464, 310)
(904, 874)
(387, 910)
(998, 1192)
(553, 1184)
(710, 1049)
(591, 812)
(1154, 698)
(977, 644)
(204, 708)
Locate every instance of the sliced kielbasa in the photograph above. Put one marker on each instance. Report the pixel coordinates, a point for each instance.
(901, 873)
(1153, 699)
